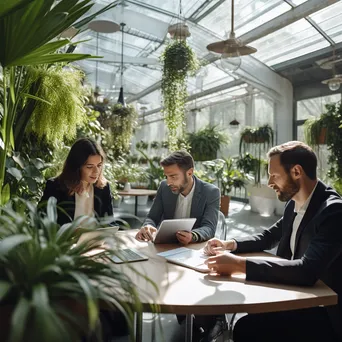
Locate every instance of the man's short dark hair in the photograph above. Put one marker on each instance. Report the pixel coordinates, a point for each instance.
(296, 153)
(182, 159)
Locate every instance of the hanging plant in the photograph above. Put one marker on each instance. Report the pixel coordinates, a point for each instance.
(179, 61)
(61, 109)
(119, 125)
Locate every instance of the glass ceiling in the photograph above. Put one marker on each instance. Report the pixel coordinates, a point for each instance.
(146, 36)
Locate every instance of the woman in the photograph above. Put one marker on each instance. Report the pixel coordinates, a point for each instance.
(81, 188)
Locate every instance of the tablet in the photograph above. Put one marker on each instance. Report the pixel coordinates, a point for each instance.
(168, 228)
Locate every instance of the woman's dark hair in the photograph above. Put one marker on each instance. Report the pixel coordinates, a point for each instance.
(296, 153)
(182, 159)
(80, 151)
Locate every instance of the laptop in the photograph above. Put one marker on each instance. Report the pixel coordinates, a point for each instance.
(127, 255)
(168, 229)
(187, 257)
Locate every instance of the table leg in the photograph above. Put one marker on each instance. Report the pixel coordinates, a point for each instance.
(136, 206)
(138, 326)
(188, 328)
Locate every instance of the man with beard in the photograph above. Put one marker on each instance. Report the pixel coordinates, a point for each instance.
(309, 236)
(182, 195)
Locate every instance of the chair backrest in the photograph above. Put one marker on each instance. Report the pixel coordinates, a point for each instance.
(221, 228)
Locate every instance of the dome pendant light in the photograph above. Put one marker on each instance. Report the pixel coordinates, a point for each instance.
(231, 49)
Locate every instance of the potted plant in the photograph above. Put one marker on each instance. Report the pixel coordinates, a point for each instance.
(141, 145)
(178, 61)
(227, 177)
(205, 143)
(52, 290)
(315, 132)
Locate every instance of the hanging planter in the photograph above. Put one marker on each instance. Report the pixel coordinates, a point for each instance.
(179, 31)
(179, 61)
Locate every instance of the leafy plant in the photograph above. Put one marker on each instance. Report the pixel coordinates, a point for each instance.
(119, 125)
(27, 33)
(257, 140)
(155, 145)
(51, 289)
(141, 145)
(179, 62)
(205, 143)
(330, 121)
(226, 174)
(25, 176)
(60, 108)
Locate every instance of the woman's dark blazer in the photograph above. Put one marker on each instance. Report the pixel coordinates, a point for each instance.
(102, 201)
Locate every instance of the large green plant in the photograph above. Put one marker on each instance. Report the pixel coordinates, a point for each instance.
(60, 108)
(50, 289)
(27, 32)
(179, 61)
(205, 143)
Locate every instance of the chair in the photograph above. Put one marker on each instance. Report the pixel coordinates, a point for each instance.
(222, 227)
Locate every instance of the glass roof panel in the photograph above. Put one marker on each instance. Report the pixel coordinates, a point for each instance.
(298, 2)
(289, 42)
(329, 20)
(247, 12)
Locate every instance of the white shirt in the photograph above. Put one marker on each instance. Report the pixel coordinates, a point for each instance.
(84, 204)
(183, 205)
(298, 219)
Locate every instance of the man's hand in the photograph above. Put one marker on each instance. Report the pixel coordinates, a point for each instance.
(184, 237)
(215, 246)
(146, 233)
(226, 264)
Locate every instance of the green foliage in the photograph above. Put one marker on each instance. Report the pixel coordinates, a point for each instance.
(331, 121)
(141, 145)
(62, 108)
(205, 143)
(179, 61)
(119, 126)
(225, 174)
(27, 33)
(155, 145)
(257, 140)
(53, 288)
(60, 154)
(25, 176)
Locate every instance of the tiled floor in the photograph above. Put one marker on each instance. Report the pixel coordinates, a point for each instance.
(241, 222)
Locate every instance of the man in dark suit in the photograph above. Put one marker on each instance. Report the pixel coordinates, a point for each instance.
(309, 237)
(182, 195)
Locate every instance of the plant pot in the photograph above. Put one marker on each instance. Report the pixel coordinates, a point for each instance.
(117, 202)
(322, 136)
(127, 186)
(262, 200)
(224, 205)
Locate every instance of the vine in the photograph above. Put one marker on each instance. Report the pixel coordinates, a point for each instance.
(179, 61)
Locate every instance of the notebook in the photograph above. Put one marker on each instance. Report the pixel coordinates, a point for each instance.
(168, 229)
(187, 257)
(128, 255)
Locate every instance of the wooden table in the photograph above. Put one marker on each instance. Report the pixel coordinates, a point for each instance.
(136, 193)
(185, 291)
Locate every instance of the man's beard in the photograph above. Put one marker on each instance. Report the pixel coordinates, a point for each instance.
(290, 188)
(180, 188)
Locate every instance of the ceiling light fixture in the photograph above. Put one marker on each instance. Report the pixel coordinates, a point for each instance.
(179, 30)
(231, 49)
(334, 83)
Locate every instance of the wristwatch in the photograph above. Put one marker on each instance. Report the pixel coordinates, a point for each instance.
(194, 237)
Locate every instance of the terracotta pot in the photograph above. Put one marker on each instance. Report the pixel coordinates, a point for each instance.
(224, 205)
(322, 136)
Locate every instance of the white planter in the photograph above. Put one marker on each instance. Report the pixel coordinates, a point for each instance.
(117, 202)
(279, 207)
(127, 186)
(262, 200)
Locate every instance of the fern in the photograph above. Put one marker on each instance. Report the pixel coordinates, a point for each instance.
(56, 117)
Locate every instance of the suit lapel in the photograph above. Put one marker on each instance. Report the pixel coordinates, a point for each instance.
(314, 205)
(196, 198)
(284, 246)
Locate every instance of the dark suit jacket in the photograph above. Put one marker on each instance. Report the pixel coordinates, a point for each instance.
(318, 246)
(204, 207)
(102, 200)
